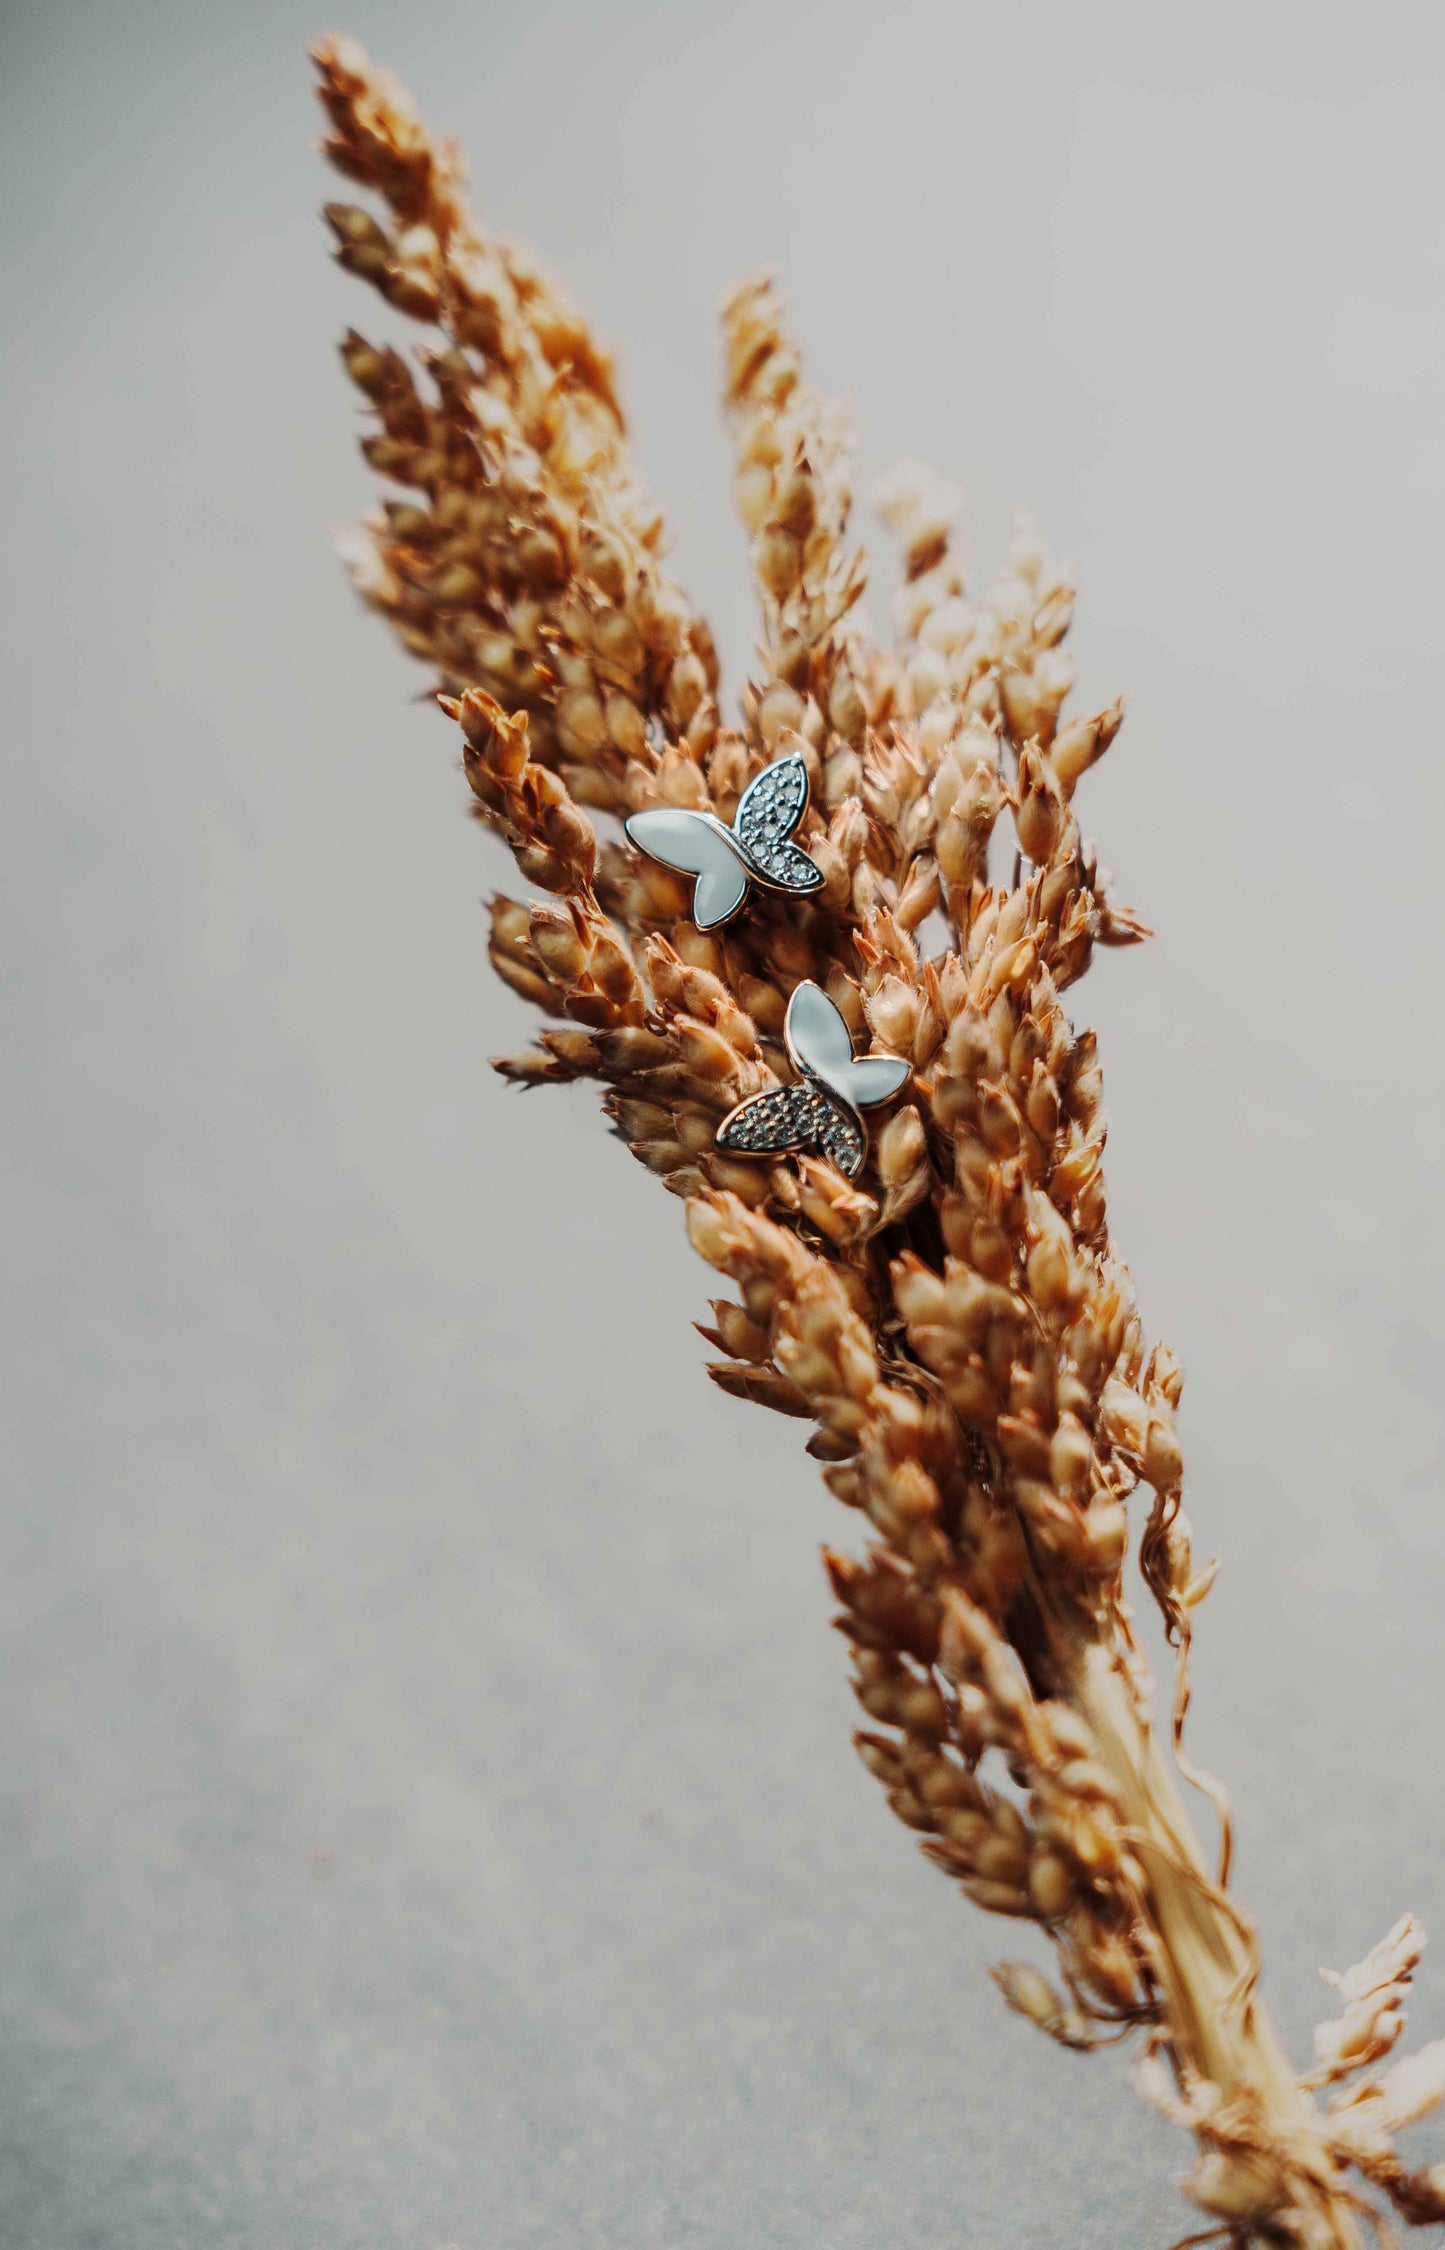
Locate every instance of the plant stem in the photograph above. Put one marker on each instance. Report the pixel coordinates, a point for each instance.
(1217, 2028)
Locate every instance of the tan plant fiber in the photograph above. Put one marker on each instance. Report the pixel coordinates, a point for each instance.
(957, 1327)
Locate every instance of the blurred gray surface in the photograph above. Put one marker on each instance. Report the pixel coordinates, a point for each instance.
(427, 1812)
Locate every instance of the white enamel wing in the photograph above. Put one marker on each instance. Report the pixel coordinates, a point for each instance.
(819, 1111)
(757, 848)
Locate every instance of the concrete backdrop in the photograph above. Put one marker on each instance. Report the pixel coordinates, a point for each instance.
(428, 1816)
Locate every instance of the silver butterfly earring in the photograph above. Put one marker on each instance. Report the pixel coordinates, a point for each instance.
(819, 1110)
(757, 848)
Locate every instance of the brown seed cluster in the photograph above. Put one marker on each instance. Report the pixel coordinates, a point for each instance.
(957, 1327)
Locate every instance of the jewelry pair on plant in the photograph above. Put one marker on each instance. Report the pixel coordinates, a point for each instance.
(820, 1109)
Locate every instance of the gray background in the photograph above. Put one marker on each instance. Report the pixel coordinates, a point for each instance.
(427, 1811)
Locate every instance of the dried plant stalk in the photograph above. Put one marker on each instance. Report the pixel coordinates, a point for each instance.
(961, 1333)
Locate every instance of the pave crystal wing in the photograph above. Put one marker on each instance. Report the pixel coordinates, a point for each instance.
(803, 1115)
(694, 843)
(768, 812)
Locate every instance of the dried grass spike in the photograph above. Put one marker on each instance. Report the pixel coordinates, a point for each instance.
(960, 1332)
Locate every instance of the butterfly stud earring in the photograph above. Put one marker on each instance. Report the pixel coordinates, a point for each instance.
(819, 1111)
(757, 848)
